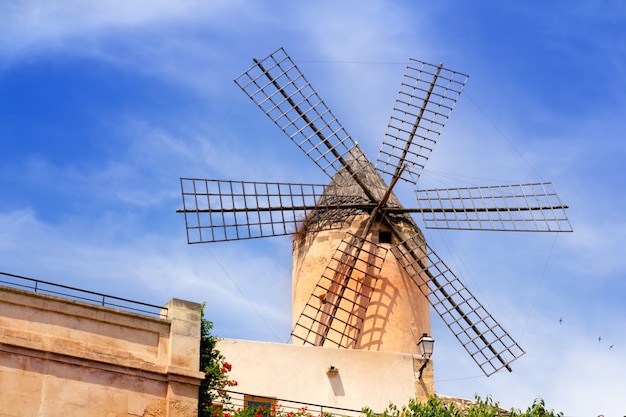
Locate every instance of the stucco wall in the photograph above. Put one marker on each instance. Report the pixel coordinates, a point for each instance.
(299, 373)
(60, 357)
(394, 318)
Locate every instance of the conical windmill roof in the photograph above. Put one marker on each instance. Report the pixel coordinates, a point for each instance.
(347, 189)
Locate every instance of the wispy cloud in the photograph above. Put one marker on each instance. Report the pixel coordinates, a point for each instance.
(37, 23)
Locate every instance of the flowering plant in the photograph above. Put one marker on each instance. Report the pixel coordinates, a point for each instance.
(274, 411)
(213, 393)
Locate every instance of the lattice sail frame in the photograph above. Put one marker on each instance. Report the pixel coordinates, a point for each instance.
(489, 345)
(278, 87)
(222, 210)
(334, 313)
(520, 208)
(425, 100)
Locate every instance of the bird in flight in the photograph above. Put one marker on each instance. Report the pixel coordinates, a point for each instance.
(561, 320)
(599, 339)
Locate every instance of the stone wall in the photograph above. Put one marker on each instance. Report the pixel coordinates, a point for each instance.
(61, 357)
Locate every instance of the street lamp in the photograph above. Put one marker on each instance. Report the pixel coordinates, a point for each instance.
(425, 344)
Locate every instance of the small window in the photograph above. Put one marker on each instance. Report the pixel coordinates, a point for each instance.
(253, 401)
(384, 237)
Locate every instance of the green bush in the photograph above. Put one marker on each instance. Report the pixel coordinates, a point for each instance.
(434, 407)
(213, 389)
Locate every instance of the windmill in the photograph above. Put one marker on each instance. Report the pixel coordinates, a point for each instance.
(344, 230)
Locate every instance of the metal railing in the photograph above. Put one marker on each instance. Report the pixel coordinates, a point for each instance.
(238, 401)
(91, 297)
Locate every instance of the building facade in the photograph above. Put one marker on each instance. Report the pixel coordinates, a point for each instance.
(60, 357)
(332, 377)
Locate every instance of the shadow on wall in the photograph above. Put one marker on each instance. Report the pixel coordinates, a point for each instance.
(335, 381)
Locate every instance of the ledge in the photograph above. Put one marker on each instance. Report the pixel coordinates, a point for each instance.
(156, 373)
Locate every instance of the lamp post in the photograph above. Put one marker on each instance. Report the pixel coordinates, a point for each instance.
(425, 344)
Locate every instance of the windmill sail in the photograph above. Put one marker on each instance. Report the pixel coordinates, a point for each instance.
(426, 98)
(334, 314)
(483, 338)
(221, 210)
(524, 207)
(278, 87)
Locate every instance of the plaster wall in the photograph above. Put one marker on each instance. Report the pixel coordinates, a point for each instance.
(397, 314)
(299, 373)
(60, 357)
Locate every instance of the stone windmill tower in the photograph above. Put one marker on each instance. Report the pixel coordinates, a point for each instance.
(346, 291)
(363, 275)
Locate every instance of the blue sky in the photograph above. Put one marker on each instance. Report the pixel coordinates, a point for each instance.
(104, 105)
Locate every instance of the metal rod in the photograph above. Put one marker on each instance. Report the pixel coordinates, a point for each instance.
(392, 184)
(318, 133)
(342, 290)
(373, 206)
(409, 141)
(455, 306)
(359, 246)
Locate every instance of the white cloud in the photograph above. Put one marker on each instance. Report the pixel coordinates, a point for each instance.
(153, 268)
(141, 36)
(601, 244)
(50, 22)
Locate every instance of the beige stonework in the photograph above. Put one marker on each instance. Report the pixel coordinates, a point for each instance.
(398, 313)
(62, 358)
